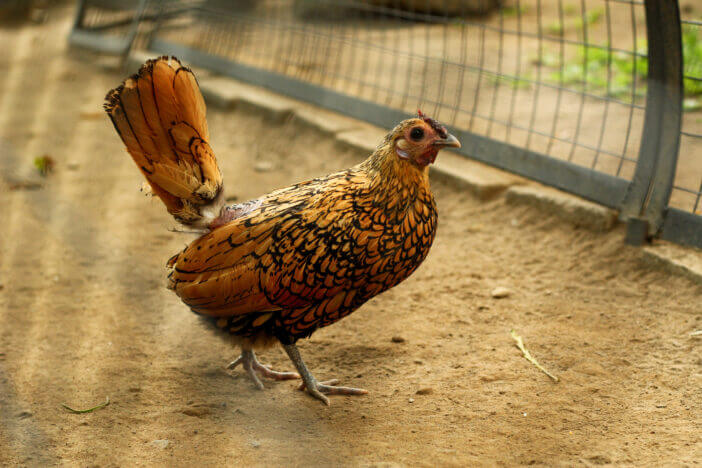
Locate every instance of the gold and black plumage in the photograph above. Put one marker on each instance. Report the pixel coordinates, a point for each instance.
(302, 257)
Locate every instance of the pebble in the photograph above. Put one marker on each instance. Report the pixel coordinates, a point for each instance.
(263, 166)
(411, 400)
(255, 444)
(500, 292)
(161, 443)
(397, 339)
(425, 391)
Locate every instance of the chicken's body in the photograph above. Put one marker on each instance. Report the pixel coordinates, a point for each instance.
(306, 256)
(303, 257)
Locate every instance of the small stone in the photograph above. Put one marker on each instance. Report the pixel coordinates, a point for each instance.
(263, 166)
(255, 444)
(161, 443)
(411, 400)
(418, 361)
(425, 391)
(397, 339)
(500, 292)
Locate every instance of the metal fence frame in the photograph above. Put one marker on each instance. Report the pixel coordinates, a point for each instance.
(643, 201)
(94, 38)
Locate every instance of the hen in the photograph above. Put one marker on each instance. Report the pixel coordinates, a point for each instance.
(279, 267)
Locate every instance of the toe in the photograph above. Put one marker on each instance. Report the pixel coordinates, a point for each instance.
(235, 362)
(254, 377)
(321, 397)
(329, 387)
(332, 390)
(271, 374)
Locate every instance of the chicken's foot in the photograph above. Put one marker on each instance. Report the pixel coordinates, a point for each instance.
(317, 389)
(250, 363)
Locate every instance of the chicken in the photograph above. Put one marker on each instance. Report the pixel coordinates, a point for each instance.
(277, 268)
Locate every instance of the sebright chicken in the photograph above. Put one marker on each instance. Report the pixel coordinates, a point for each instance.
(277, 268)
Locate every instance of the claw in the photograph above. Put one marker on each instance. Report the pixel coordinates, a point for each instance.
(319, 390)
(252, 366)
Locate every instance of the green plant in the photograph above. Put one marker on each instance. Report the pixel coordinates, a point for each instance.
(594, 67)
(692, 59)
(520, 82)
(556, 28)
(591, 18)
(512, 11)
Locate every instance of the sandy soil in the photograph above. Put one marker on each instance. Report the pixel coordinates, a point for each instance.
(84, 315)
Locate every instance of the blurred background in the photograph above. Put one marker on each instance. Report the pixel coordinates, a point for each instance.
(554, 90)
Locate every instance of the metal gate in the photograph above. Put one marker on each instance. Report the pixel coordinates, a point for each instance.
(597, 98)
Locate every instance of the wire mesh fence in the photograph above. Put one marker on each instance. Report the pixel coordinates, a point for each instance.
(556, 90)
(537, 75)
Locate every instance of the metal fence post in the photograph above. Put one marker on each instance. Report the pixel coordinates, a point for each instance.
(650, 189)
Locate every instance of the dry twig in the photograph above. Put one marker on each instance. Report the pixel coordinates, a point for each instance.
(528, 356)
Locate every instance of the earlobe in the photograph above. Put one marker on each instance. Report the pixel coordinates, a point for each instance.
(401, 148)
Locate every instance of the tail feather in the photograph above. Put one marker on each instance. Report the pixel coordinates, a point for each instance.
(161, 117)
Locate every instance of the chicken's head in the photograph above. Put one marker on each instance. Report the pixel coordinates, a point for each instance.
(419, 140)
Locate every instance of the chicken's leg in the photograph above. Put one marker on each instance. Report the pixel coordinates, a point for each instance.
(251, 365)
(318, 389)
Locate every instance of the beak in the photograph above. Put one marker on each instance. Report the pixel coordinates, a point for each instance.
(449, 142)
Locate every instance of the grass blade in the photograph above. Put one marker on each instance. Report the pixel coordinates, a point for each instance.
(89, 410)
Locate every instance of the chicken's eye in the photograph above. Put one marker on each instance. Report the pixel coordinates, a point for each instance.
(417, 134)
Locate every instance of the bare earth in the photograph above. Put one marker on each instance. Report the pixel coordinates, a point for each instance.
(84, 315)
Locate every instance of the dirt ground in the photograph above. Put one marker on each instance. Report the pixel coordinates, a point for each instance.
(84, 315)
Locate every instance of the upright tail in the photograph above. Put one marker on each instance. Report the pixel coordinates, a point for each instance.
(160, 115)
